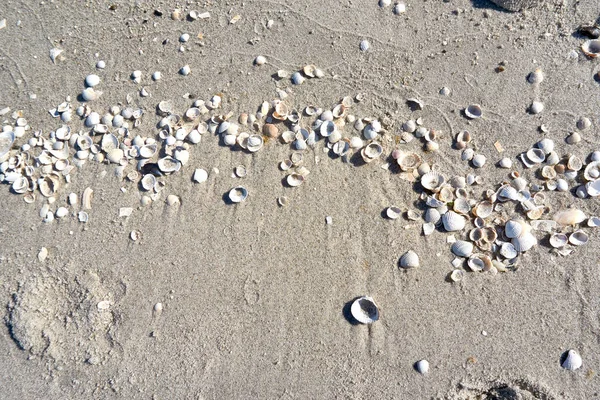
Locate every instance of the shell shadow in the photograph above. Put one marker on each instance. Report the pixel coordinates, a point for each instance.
(226, 199)
(347, 314)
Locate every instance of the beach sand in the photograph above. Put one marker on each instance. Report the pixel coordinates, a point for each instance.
(255, 296)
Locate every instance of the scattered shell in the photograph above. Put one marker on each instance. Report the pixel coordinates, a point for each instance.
(453, 221)
(86, 199)
(364, 310)
(573, 138)
(43, 254)
(393, 212)
(571, 361)
(513, 229)
(592, 171)
(457, 275)
(558, 240)
(571, 216)
(399, 8)
(297, 78)
(173, 200)
(524, 242)
(364, 45)
(254, 143)
(185, 70)
(295, 179)
(583, 123)
(422, 367)
(536, 155)
(371, 152)
(473, 111)
(591, 48)
(200, 175)
(578, 238)
(410, 259)
(432, 215)
(535, 77)
(260, 60)
(148, 182)
(408, 161)
(508, 251)
(478, 160)
(536, 107)
(238, 194)
(462, 248)
(432, 181)
(169, 164)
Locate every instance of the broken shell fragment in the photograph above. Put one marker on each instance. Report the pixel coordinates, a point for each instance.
(364, 310)
(238, 194)
(410, 259)
(457, 275)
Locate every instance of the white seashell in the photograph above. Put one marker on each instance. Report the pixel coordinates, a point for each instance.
(507, 192)
(546, 145)
(593, 222)
(467, 154)
(399, 8)
(89, 94)
(508, 251)
(462, 248)
(254, 143)
(457, 275)
(410, 259)
(536, 107)
(432, 181)
(364, 310)
(169, 164)
(364, 45)
(592, 171)
(591, 48)
(578, 238)
(562, 185)
(595, 156)
(114, 156)
(432, 215)
(453, 221)
(408, 161)
(148, 182)
(572, 361)
(476, 263)
(571, 216)
(295, 180)
(536, 156)
(238, 194)
(478, 160)
(473, 111)
(593, 188)
(573, 138)
(297, 78)
(20, 185)
(181, 155)
(92, 80)
(535, 77)
(558, 240)
(200, 175)
(6, 142)
(422, 367)
(260, 60)
(371, 152)
(61, 212)
(409, 126)
(552, 158)
(185, 70)
(327, 128)
(513, 229)
(428, 228)
(393, 212)
(86, 198)
(92, 119)
(524, 242)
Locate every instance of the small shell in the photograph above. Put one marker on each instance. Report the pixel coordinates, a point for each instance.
(422, 367)
(592, 171)
(432, 215)
(86, 199)
(432, 181)
(169, 164)
(393, 212)
(295, 179)
(473, 111)
(508, 251)
(478, 160)
(558, 240)
(457, 275)
(591, 48)
(371, 152)
(147, 182)
(583, 123)
(536, 156)
(453, 221)
(593, 188)
(536, 107)
(484, 209)
(571, 360)
(200, 175)
(578, 238)
(260, 60)
(462, 248)
(546, 145)
(185, 70)
(238, 194)
(463, 137)
(524, 242)
(364, 310)
(254, 143)
(573, 138)
(297, 78)
(571, 216)
(535, 77)
(408, 161)
(270, 130)
(364, 45)
(410, 259)
(513, 229)
(505, 163)
(548, 172)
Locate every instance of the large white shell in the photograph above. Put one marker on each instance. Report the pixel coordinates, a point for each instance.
(453, 221)
(473, 111)
(238, 194)
(572, 361)
(513, 229)
(432, 215)
(432, 181)
(410, 259)
(571, 216)
(462, 248)
(524, 242)
(169, 164)
(364, 310)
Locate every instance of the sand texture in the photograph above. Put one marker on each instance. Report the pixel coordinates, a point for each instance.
(255, 297)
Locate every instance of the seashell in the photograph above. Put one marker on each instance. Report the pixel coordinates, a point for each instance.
(148, 150)
(181, 155)
(507, 192)
(581, 192)
(200, 175)
(254, 143)
(86, 198)
(548, 172)
(489, 234)
(591, 48)
(592, 171)
(578, 238)
(513, 229)
(573, 138)
(295, 179)
(169, 164)
(444, 194)
(92, 119)
(409, 126)
(524, 242)
(473, 111)
(463, 137)
(341, 147)
(457, 275)
(92, 80)
(327, 128)
(453, 221)
(571, 216)
(48, 185)
(476, 263)
(431, 146)
(410, 259)
(593, 222)
(484, 209)
(192, 114)
(428, 228)
(364, 45)
(478, 160)
(462, 248)
(535, 77)
(505, 163)
(546, 145)
(408, 161)
(148, 182)
(536, 107)
(393, 212)
(432, 215)
(508, 251)
(238, 194)
(461, 206)
(185, 70)
(536, 156)
(260, 60)
(89, 94)
(422, 367)
(558, 240)
(371, 152)
(432, 181)
(297, 78)
(593, 188)
(583, 123)
(114, 156)
(467, 154)
(476, 234)
(364, 310)
(571, 360)
(20, 185)
(270, 130)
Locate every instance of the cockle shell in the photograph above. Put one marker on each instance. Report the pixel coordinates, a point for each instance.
(514, 228)
(457, 275)
(571, 216)
(393, 212)
(410, 259)
(238, 194)
(524, 242)
(593, 188)
(371, 151)
(364, 310)
(578, 238)
(295, 179)
(558, 240)
(591, 48)
(462, 248)
(592, 171)
(536, 156)
(432, 215)
(473, 111)
(408, 161)
(432, 181)
(453, 221)
(422, 367)
(571, 360)
(535, 77)
(169, 164)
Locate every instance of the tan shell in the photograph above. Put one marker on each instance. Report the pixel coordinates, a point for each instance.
(484, 209)
(408, 161)
(571, 216)
(270, 130)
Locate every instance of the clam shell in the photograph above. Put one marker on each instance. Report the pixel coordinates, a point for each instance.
(463, 137)
(20, 185)
(327, 128)
(591, 48)
(254, 143)
(536, 107)
(505, 163)
(462, 206)
(453, 221)
(169, 164)
(473, 111)
(148, 150)
(147, 182)
(513, 229)
(393, 212)
(558, 240)
(593, 222)
(428, 228)
(535, 77)
(508, 251)
(200, 175)
(536, 156)
(410, 259)
(593, 188)
(571, 216)
(462, 248)
(364, 310)
(432, 216)
(571, 360)
(524, 242)
(422, 367)
(457, 275)
(578, 238)
(484, 209)
(506, 193)
(432, 181)
(238, 194)
(408, 161)
(546, 145)
(478, 160)
(592, 171)
(477, 263)
(295, 179)
(371, 151)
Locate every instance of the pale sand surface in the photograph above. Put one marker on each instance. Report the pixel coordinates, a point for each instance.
(253, 293)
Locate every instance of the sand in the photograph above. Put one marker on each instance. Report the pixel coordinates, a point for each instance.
(255, 296)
